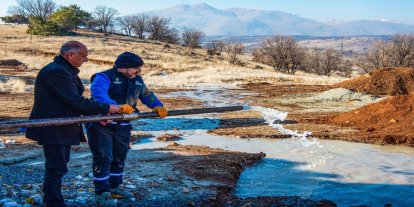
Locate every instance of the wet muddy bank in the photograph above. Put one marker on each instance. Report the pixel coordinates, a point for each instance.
(172, 176)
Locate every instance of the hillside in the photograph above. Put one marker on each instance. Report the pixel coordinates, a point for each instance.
(166, 65)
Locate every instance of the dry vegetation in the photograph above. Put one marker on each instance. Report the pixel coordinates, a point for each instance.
(167, 65)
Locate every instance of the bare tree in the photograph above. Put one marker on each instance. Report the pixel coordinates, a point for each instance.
(192, 38)
(234, 50)
(159, 29)
(40, 9)
(395, 53)
(346, 68)
(104, 17)
(330, 62)
(296, 56)
(326, 62)
(126, 23)
(281, 52)
(216, 47)
(313, 61)
(378, 56)
(139, 25)
(171, 35)
(403, 49)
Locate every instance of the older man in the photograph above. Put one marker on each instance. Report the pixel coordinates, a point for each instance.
(58, 93)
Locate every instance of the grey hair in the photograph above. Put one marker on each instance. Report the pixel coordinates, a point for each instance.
(71, 46)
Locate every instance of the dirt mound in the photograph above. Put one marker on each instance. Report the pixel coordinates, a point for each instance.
(12, 63)
(340, 95)
(387, 122)
(384, 81)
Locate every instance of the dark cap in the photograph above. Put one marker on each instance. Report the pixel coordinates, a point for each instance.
(128, 60)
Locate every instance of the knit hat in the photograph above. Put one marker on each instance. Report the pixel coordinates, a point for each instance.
(128, 60)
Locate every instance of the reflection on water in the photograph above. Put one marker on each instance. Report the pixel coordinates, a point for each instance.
(347, 173)
(272, 177)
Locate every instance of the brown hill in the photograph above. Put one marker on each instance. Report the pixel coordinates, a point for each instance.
(387, 122)
(384, 81)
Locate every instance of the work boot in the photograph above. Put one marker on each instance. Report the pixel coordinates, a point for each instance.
(117, 193)
(105, 200)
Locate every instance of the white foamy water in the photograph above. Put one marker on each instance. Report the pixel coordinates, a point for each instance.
(347, 173)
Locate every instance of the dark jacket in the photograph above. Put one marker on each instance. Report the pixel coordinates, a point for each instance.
(113, 87)
(58, 93)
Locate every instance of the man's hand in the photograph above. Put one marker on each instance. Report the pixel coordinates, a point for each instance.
(161, 111)
(126, 109)
(104, 123)
(114, 109)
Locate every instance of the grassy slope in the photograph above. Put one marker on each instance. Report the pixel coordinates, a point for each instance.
(184, 67)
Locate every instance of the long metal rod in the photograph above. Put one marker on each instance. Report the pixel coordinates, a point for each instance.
(97, 118)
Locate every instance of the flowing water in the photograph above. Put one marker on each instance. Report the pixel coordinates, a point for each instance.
(344, 172)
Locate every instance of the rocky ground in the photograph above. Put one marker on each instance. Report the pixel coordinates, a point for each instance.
(171, 176)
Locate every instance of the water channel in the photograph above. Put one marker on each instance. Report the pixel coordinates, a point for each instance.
(347, 173)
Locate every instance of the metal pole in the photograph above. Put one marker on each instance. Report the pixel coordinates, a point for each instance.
(97, 118)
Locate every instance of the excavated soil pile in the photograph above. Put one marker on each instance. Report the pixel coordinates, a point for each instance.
(384, 81)
(387, 122)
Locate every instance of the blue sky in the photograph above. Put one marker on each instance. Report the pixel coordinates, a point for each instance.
(321, 10)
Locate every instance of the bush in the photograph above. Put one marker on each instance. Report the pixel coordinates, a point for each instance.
(40, 27)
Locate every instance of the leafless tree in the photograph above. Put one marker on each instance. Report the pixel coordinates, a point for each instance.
(216, 47)
(126, 23)
(139, 25)
(40, 9)
(281, 52)
(313, 61)
(234, 49)
(104, 17)
(325, 62)
(378, 56)
(159, 29)
(171, 35)
(192, 38)
(346, 68)
(330, 62)
(399, 51)
(403, 49)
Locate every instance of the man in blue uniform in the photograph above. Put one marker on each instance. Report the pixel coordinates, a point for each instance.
(58, 93)
(109, 142)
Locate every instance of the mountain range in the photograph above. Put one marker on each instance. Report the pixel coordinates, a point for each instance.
(242, 22)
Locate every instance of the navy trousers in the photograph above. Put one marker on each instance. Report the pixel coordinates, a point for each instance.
(57, 157)
(109, 145)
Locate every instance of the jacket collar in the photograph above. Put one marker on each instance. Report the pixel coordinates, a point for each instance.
(61, 60)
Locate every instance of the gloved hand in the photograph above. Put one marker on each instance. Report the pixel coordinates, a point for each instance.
(161, 111)
(126, 109)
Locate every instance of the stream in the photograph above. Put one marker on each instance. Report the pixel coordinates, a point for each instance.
(350, 174)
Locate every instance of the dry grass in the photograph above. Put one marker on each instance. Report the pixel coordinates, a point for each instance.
(166, 65)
